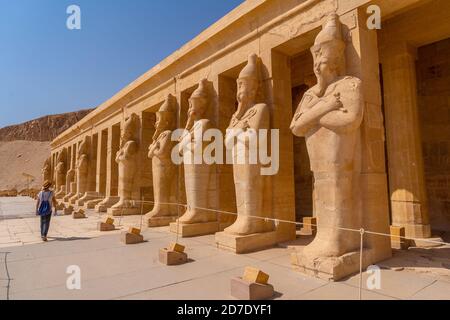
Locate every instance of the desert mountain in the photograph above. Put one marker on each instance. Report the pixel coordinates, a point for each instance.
(42, 129)
(25, 147)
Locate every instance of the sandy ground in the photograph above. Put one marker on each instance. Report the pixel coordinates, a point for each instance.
(18, 157)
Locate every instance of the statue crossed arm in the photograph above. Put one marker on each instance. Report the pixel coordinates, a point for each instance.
(340, 111)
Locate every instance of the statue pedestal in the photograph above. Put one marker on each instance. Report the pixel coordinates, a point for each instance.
(196, 229)
(160, 221)
(246, 243)
(106, 203)
(117, 212)
(331, 268)
(92, 203)
(87, 197)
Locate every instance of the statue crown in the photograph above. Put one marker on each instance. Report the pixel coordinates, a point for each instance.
(250, 71)
(331, 31)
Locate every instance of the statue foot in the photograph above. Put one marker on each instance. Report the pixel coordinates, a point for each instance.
(319, 248)
(191, 217)
(158, 213)
(245, 226)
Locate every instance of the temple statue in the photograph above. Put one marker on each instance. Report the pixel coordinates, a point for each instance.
(47, 170)
(198, 175)
(71, 185)
(82, 169)
(251, 116)
(163, 169)
(127, 158)
(60, 174)
(329, 116)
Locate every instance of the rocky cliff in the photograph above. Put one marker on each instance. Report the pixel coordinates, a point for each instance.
(42, 129)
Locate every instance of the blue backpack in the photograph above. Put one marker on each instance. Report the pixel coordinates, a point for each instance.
(45, 206)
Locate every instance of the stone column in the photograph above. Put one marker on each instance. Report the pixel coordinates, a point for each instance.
(406, 173)
(363, 62)
(102, 150)
(113, 143)
(277, 83)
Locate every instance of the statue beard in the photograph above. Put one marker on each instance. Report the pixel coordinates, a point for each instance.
(321, 85)
(244, 102)
(190, 120)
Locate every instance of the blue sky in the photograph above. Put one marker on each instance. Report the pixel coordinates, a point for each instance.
(46, 68)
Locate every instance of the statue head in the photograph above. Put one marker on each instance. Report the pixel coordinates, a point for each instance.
(165, 116)
(328, 51)
(84, 146)
(199, 101)
(130, 128)
(62, 155)
(248, 82)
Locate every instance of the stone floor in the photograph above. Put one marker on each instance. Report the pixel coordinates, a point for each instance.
(30, 269)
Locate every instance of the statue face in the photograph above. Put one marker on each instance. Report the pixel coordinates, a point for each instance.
(326, 58)
(160, 123)
(246, 90)
(197, 107)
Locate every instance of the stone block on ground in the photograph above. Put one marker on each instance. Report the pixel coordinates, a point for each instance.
(172, 258)
(245, 290)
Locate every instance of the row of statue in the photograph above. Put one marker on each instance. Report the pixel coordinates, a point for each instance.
(329, 116)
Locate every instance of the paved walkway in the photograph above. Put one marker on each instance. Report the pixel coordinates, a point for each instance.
(30, 269)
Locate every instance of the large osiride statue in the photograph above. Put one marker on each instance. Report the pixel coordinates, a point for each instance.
(60, 174)
(127, 158)
(47, 170)
(163, 168)
(198, 175)
(251, 230)
(329, 117)
(82, 169)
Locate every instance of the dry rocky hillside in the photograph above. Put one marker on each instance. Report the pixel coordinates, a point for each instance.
(25, 147)
(42, 129)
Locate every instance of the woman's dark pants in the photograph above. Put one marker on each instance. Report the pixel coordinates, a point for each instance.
(45, 224)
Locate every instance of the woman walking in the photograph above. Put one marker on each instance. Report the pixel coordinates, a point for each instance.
(45, 202)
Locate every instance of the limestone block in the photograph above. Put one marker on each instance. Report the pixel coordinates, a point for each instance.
(398, 240)
(252, 274)
(176, 247)
(331, 268)
(309, 226)
(171, 258)
(196, 229)
(107, 225)
(135, 231)
(68, 210)
(79, 214)
(117, 212)
(131, 238)
(245, 290)
(160, 221)
(245, 243)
